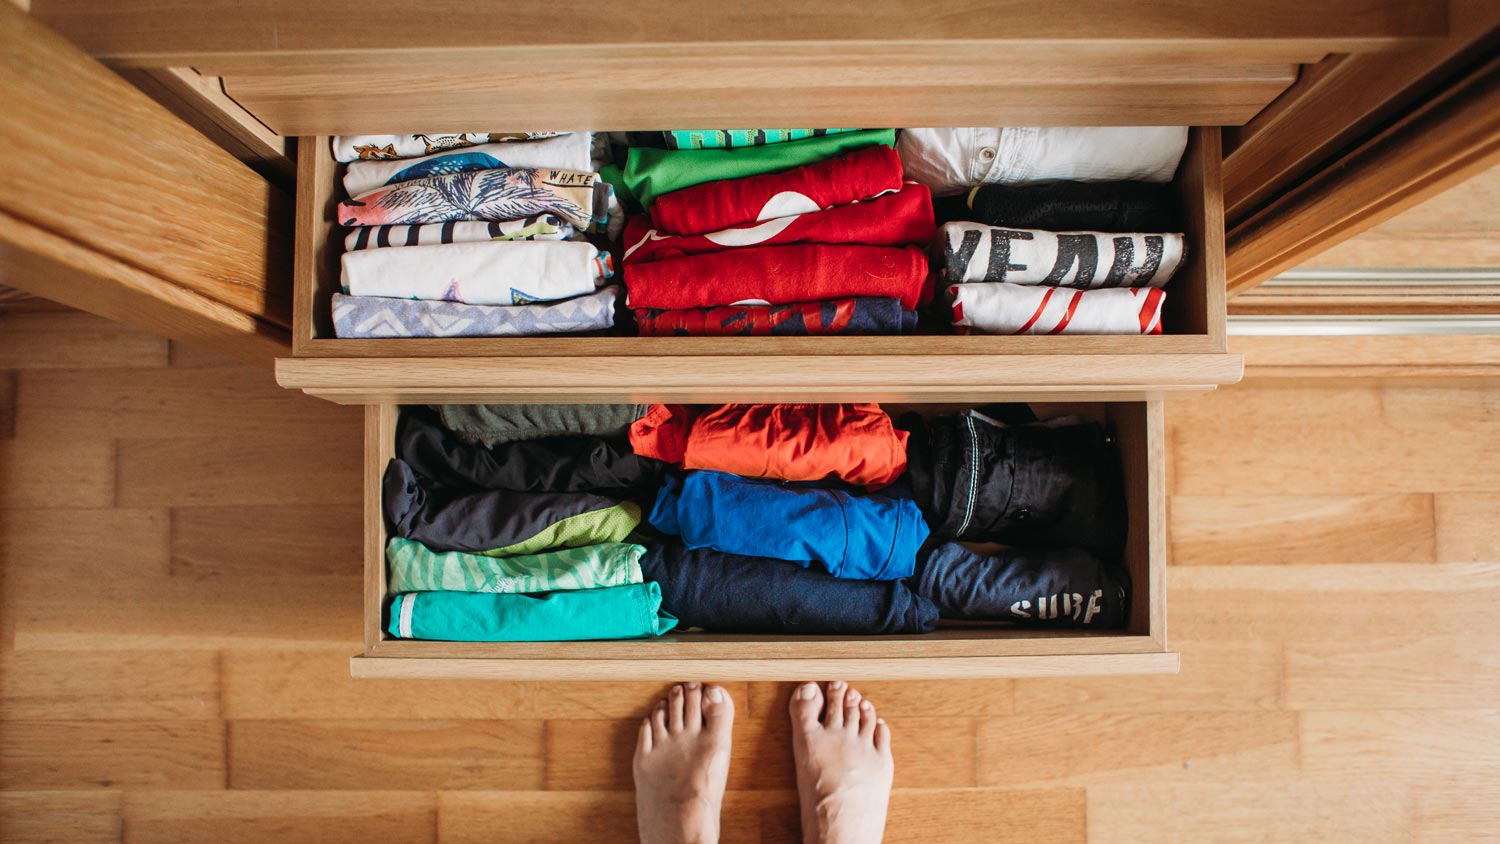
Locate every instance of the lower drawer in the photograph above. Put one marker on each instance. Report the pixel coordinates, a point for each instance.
(952, 651)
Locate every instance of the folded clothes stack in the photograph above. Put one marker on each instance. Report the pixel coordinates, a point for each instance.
(1062, 230)
(483, 231)
(504, 536)
(774, 232)
(525, 522)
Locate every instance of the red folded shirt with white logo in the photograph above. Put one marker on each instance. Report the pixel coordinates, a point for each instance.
(893, 219)
(712, 206)
(778, 275)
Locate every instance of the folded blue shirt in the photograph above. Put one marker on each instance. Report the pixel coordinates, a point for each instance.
(856, 537)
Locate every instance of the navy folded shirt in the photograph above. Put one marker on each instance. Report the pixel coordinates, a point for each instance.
(861, 537)
(731, 593)
(1066, 587)
(553, 464)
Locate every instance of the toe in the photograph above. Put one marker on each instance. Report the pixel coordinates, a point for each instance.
(692, 706)
(659, 722)
(718, 710)
(882, 736)
(867, 720)
(806, 705)
(643, 742)
(851, 710)
(833, 713)
(674, 709)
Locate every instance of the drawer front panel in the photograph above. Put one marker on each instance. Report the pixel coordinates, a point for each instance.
(970, 650)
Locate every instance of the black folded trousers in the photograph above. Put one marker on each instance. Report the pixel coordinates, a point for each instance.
(1066, 587)
(553, 464)
(1028, 485)
(731, 593)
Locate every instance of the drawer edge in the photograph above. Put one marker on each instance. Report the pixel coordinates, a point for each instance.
(941, 668)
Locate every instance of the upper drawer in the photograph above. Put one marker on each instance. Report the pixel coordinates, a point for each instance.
(1190, 355)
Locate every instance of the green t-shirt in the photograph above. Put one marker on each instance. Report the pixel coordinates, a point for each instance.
(616, 612)
(416, 568)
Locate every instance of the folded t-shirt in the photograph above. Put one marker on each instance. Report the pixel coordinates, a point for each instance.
(537, 227)
(779, 275)
(730, 593)
(893, 219)
(840, 180)
(976, 252)
(721, 138)
(650, 173)
(501, 523)
(414, 567)
(617, 612)
(999, 308)
(579, 197)
(491, 424)
(854, 443)
(1066, 206)
(367, 147)
(564, 152)
(496, 272)
(382, 316)
(553, 464)
(868, 537)
(1065, 587)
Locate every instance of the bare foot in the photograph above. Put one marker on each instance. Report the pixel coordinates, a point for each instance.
(681, 764)
(844, 765)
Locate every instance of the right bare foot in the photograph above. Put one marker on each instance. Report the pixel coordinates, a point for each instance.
(681, 765)
(844, 765)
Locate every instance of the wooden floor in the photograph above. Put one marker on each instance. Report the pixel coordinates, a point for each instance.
(181, 594)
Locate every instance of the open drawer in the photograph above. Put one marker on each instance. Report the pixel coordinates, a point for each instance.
(954, 650)
(1191, 355)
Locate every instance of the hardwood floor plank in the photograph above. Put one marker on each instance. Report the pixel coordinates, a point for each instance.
(1333, 603)
(1426, 407)
(74, 340)
(958, 698)
(7, 404)
(1468, 528)
(80, 543)
(179, 613)
(311, 467)
(1296, 810)
(1451, 809)
(1401, 670)
(1401, 745)
(1216, 676)
(183, 355)
(1059, 748)
(119, 685)
(37, 755)
(37, 473)
(595, 755)
(1292, 529)
(169, 402)
(267, 540)
(593, 816)
(283, 817)
(60, 817)
(418, 755)
(264, 683)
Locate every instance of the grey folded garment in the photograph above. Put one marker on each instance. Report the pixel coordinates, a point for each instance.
(1066, 587)
(380, 316)
(491, 424)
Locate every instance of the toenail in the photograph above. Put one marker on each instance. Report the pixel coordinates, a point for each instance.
(807, 691)
(865, 705)
(692, 685)
(716, 694)
(676, 691)
(836, 684)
